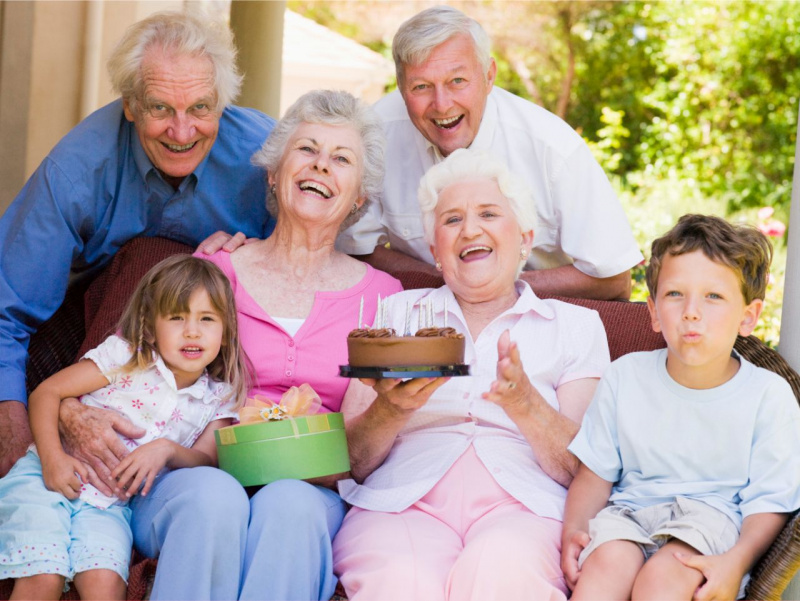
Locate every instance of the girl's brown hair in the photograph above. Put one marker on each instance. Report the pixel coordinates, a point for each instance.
(166, 290)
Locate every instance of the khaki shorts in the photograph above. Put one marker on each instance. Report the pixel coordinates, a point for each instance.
(697, 524)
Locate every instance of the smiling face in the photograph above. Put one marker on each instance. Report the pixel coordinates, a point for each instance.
(699, 308)
(188, 342)
(176, 120)
(446, 95)
(477, 240)
(319, 176)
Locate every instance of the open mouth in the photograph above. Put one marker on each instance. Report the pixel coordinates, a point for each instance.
(179, 148)
(473, 253)
(192, 352)
(448, 123)
(315, 188)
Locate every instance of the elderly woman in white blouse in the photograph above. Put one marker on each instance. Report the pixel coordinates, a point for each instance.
(459, 483)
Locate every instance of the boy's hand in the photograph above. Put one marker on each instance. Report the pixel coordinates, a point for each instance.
(142, 466)
(576, 542)
(723, 576)
(64, 474)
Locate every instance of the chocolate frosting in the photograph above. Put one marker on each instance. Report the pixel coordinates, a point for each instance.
(438, 333)
(365, 333)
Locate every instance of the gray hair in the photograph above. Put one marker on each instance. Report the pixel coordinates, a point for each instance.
(419, 35)
(465, 164)
(185, 35)
(330, 107)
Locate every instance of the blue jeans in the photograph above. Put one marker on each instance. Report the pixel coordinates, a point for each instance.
(214, 543)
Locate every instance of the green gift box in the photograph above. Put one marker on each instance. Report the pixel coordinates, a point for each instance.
(298, 448)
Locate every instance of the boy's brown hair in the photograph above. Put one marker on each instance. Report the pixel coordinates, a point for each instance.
(743, 248)
(166, 290)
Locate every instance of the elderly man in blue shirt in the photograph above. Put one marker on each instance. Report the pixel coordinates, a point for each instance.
(170, 158)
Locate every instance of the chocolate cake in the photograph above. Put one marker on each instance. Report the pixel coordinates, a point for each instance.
(383, 348)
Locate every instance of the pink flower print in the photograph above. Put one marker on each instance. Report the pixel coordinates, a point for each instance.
(125, 381)
(129, 442)
(147, 417)
(137, 404)
(177, 416)
(161, 425)
(153, 389)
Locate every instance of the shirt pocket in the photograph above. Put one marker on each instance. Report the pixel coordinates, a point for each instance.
(405, 226)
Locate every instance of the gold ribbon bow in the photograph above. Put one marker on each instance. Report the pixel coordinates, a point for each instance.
(295, 402)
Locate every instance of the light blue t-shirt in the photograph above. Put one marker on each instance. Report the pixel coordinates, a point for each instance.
(95, 191)
(735, 447)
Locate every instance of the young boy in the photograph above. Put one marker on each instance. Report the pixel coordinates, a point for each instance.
(690, 454)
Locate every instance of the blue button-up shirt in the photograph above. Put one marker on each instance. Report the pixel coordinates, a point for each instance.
(95, 191)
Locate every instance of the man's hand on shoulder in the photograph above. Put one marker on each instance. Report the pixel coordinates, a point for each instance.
(15, 434)
(90, 434)
(223, 241)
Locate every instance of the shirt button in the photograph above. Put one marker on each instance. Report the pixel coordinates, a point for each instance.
(288, 372)
(290, 358)
(406, 233)
(291, 343)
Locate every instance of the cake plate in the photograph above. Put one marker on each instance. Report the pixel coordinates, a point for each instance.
(412, 371)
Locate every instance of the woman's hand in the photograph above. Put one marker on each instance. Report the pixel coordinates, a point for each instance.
(512, 389)
(90, 434)
(404, 396)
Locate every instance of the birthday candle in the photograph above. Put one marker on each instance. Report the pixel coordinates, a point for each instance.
(407, 330)
(377, 322)
(360, 312)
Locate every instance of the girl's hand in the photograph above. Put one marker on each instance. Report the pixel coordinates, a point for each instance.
(722, 576)
(512, 389)
(142, 466)
(405, 396)
(64, 474)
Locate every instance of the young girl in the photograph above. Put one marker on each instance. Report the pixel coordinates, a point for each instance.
(175, 368)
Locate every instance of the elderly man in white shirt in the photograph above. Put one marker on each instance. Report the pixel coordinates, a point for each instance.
(446, 100)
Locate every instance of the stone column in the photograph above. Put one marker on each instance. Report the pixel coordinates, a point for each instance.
(258, 30)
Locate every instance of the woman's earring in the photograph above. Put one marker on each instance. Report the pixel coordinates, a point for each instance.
(438, 266)
(272, 189)
(523, 254)
(354, 209)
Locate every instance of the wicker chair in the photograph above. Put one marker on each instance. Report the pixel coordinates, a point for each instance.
(627, 325)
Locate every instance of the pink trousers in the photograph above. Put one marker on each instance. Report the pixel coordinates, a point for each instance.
(466, 539)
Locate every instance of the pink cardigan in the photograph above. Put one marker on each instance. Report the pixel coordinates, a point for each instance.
(314, 354)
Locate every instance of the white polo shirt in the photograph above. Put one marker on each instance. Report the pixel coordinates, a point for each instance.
(558, 343)
(580, 219)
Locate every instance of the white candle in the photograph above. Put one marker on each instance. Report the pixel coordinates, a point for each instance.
(360, 312)
(377, 321)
